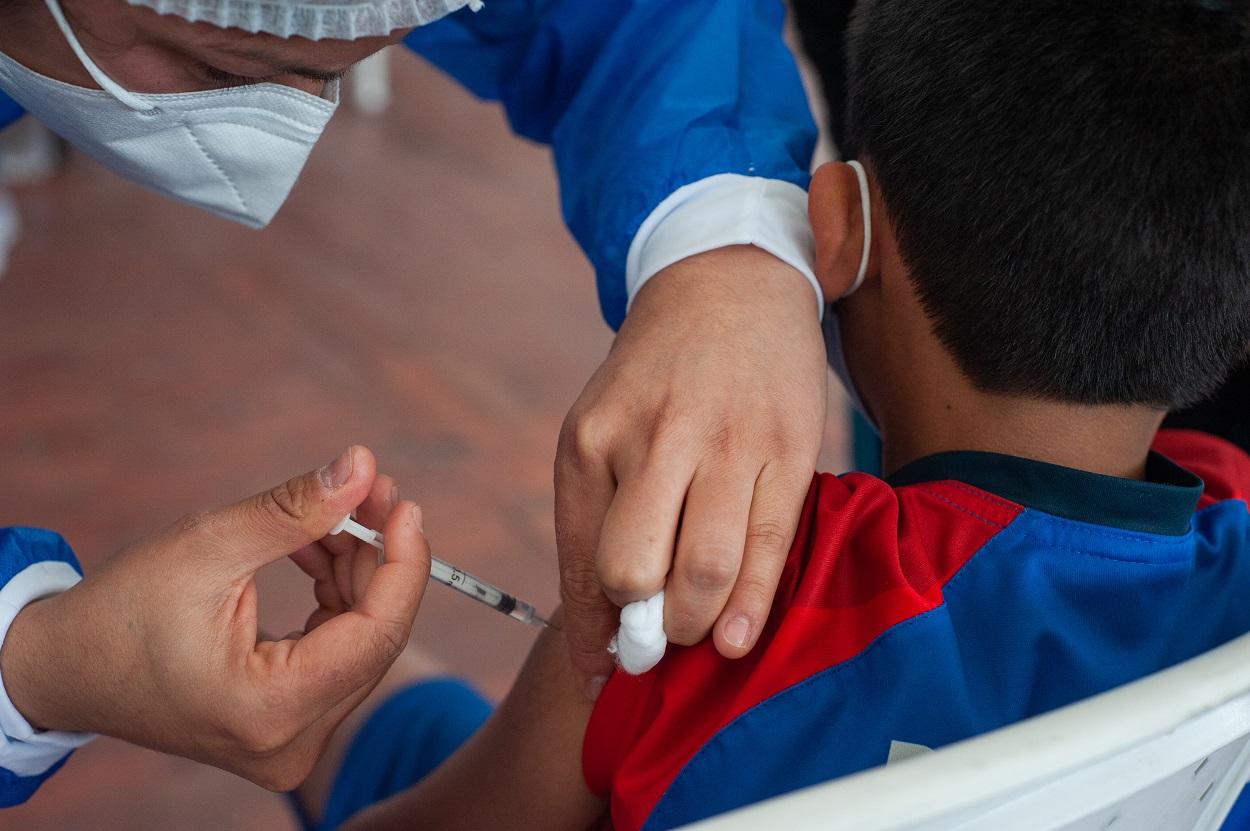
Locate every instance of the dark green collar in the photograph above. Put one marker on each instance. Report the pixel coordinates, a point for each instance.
(1163, 504)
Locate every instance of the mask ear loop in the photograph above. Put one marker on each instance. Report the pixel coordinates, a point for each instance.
(866, 208)
(106, 83)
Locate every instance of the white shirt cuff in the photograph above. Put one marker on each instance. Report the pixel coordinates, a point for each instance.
(24, 750)
(721, 210)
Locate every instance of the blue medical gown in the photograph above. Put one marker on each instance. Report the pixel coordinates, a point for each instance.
(22, 549)
(636, 97)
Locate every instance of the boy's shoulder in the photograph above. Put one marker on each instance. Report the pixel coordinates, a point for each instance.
(867, 557)
(903, 594)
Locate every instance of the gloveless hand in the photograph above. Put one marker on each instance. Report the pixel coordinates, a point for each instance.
(160, 647)
(687, 458)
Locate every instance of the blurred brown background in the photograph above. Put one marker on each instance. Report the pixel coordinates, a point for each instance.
(418, 294)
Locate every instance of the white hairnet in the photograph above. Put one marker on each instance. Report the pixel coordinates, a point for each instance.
(313, 19)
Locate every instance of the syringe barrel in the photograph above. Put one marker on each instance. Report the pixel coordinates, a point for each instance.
(526, 613)
(460, 580)
(484, 592)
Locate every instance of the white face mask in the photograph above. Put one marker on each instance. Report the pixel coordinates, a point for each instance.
(236, 152)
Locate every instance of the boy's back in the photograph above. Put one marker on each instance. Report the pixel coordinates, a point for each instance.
(1042, 247)
(970, 591)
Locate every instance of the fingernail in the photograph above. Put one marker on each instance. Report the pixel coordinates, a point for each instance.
(394, 497)
(336, 474)
(418, 518)
(595, 686)
(737, 631)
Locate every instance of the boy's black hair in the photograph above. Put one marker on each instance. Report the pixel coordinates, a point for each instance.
(1069, 182)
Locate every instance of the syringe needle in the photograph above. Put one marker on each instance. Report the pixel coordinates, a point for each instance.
(460, 580)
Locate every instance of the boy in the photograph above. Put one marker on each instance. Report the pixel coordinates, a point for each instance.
(1060, 205)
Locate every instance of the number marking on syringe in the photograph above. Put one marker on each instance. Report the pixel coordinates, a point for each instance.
(449, 575)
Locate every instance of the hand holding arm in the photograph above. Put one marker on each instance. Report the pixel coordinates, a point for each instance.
(685, 462)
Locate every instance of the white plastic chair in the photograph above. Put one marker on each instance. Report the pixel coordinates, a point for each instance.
(1167, 753)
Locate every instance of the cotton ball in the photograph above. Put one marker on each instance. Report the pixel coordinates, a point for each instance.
(639, 644)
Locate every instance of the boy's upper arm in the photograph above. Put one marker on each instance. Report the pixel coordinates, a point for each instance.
(525, 762)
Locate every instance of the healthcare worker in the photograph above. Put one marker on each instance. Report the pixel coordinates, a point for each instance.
(681, 138)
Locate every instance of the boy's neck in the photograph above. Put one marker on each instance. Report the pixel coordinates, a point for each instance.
(1113, 441)
(925, 404)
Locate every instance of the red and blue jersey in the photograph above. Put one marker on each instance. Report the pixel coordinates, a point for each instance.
(966, 592)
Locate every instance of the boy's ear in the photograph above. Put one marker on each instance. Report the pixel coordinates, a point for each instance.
(833, 206)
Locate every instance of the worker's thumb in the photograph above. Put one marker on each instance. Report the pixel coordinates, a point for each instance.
(280, 521)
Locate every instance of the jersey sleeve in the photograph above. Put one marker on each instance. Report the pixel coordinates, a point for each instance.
(866, 558)
(645, 728)
(638, 99)
(34, 564)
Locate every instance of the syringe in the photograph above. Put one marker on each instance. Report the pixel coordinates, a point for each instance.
(458, 579)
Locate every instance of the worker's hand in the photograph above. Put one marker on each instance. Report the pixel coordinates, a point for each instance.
(160, 647)
(706, 417)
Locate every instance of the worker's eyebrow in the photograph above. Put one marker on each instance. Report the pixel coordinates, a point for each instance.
(314, 74)
(279, 68)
